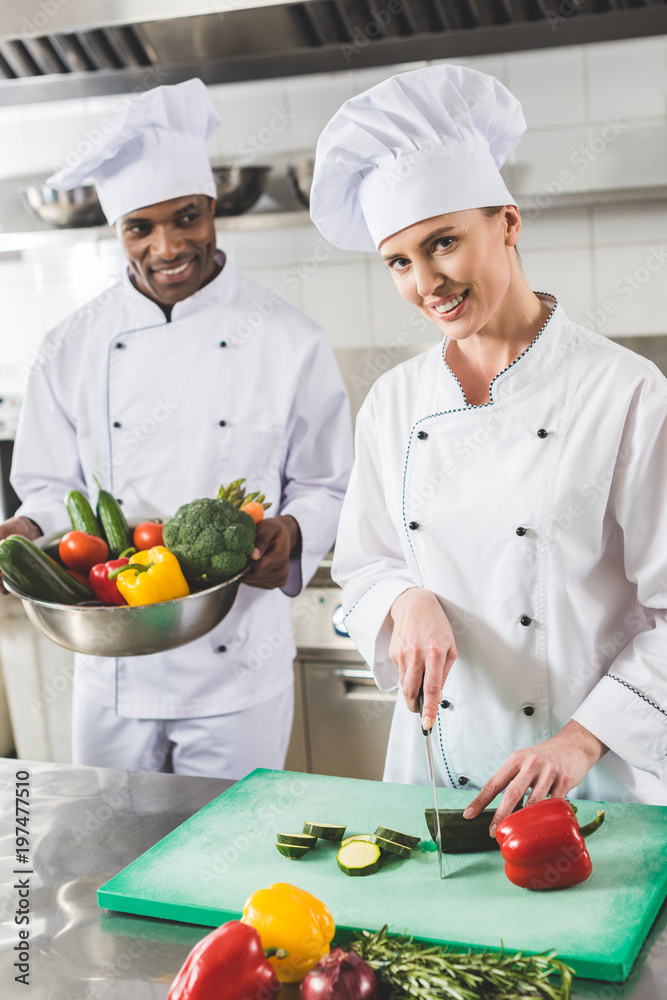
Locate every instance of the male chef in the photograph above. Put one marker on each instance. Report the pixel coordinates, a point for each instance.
(166, 386)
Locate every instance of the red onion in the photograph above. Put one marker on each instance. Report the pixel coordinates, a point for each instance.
(340, 975)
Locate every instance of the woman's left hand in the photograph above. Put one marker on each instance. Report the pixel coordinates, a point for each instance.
(550, 768)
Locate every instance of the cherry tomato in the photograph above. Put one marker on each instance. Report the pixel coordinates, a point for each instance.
(255, 509)
(147, 534)
(80, 551)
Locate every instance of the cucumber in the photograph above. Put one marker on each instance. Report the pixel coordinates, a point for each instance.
(359, 858)
(37, 575)
(389, 845)
(81, 514)
(291, 852)
(296, 839)
(328, 831)
(358, 836)
(112, 519)
(397, 838)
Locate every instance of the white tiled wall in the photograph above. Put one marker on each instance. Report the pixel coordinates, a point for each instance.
(597, 118)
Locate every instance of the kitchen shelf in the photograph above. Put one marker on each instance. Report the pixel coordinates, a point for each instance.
(36, 239)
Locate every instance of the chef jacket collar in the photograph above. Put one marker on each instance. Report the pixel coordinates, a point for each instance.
(540, 356)
(215, 292)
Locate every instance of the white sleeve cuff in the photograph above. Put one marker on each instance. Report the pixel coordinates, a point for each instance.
(365, 621)
(628, 722)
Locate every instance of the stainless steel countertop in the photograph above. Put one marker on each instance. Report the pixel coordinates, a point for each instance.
(85, 825)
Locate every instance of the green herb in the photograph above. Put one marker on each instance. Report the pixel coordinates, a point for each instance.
(407, 968)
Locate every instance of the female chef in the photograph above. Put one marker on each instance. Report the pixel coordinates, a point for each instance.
(505, 530)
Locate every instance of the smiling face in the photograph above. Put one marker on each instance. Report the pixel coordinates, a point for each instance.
(457, 269)
(170, 246)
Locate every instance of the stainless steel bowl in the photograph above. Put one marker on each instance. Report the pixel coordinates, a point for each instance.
(239, 188)
(64, 209)
(125, 630)
(300, 179)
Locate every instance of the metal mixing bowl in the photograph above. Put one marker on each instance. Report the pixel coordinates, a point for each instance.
(238, 188)
(64, 209)
(125, 630)
(300, 178)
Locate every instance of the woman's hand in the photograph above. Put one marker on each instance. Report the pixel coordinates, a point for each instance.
(277, 539)
(550, 768)
(422, 644)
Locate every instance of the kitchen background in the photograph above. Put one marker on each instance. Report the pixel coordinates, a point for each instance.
(590, 177)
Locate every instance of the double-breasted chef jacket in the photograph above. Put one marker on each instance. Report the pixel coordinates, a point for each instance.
(237, 384)
(540, 522)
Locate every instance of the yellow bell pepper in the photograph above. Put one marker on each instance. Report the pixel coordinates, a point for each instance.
(153, 575)
(293, 920)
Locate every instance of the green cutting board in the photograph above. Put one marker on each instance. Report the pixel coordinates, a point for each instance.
(203, 872)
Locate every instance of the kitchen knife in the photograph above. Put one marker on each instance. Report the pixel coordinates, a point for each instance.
(431, 773)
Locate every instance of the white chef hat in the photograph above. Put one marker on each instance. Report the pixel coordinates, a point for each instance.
(417, 145)
(153, 151)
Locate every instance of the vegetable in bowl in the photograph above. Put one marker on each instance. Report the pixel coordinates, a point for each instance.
(212, 540)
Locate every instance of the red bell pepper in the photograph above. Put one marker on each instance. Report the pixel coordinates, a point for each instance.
(543, 846)
(229, 963)
(104, 589)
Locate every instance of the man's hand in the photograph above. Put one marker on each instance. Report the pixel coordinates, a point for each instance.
(18, 526)
(550, 768)
(422, 643)
(277, 539)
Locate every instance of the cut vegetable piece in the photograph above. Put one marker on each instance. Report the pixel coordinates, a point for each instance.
(359, 857)
(397, 838)
(296, 839)
(291, 852)
(459, 835)
(328, 831)
(357, 836)
(389, 845)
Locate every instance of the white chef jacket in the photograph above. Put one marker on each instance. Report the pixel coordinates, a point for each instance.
(238, 383)
(565, 619)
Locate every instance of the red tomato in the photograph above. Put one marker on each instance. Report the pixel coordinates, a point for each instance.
(147, 534)
(80, 551)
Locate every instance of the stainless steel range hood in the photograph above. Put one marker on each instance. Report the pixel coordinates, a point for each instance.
(54, 49)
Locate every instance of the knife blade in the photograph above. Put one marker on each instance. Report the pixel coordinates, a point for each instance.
(431, 774)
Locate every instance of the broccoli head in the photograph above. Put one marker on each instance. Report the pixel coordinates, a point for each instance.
(211, 539)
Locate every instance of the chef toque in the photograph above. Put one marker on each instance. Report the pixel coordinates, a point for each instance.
(154, 151)
(417, 145)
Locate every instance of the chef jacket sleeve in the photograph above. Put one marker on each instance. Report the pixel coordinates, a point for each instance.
(368, 560)
(318, 460)
(627, 709)
(45, 463)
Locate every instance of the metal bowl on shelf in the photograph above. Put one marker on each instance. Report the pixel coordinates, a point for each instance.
(300, 179)
(238, 188)
(122, 630)
(64, 209)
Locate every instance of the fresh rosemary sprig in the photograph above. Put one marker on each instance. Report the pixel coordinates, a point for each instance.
(407, 968)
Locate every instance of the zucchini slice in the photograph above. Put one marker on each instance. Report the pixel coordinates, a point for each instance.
(292, 852)
(296, 839)
(359, 857)
(328, 831)
(389, 845)
(357, 836)
(459, 835)
(397, 838)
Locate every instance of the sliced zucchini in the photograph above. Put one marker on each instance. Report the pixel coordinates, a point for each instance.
(328, 831)
(389, 845)
(292, 852)
(459, 835)
(296, 839)
(397, 838)
(357, 836)
(359, 857)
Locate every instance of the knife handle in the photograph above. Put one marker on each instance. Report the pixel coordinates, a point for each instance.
(420, 705)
